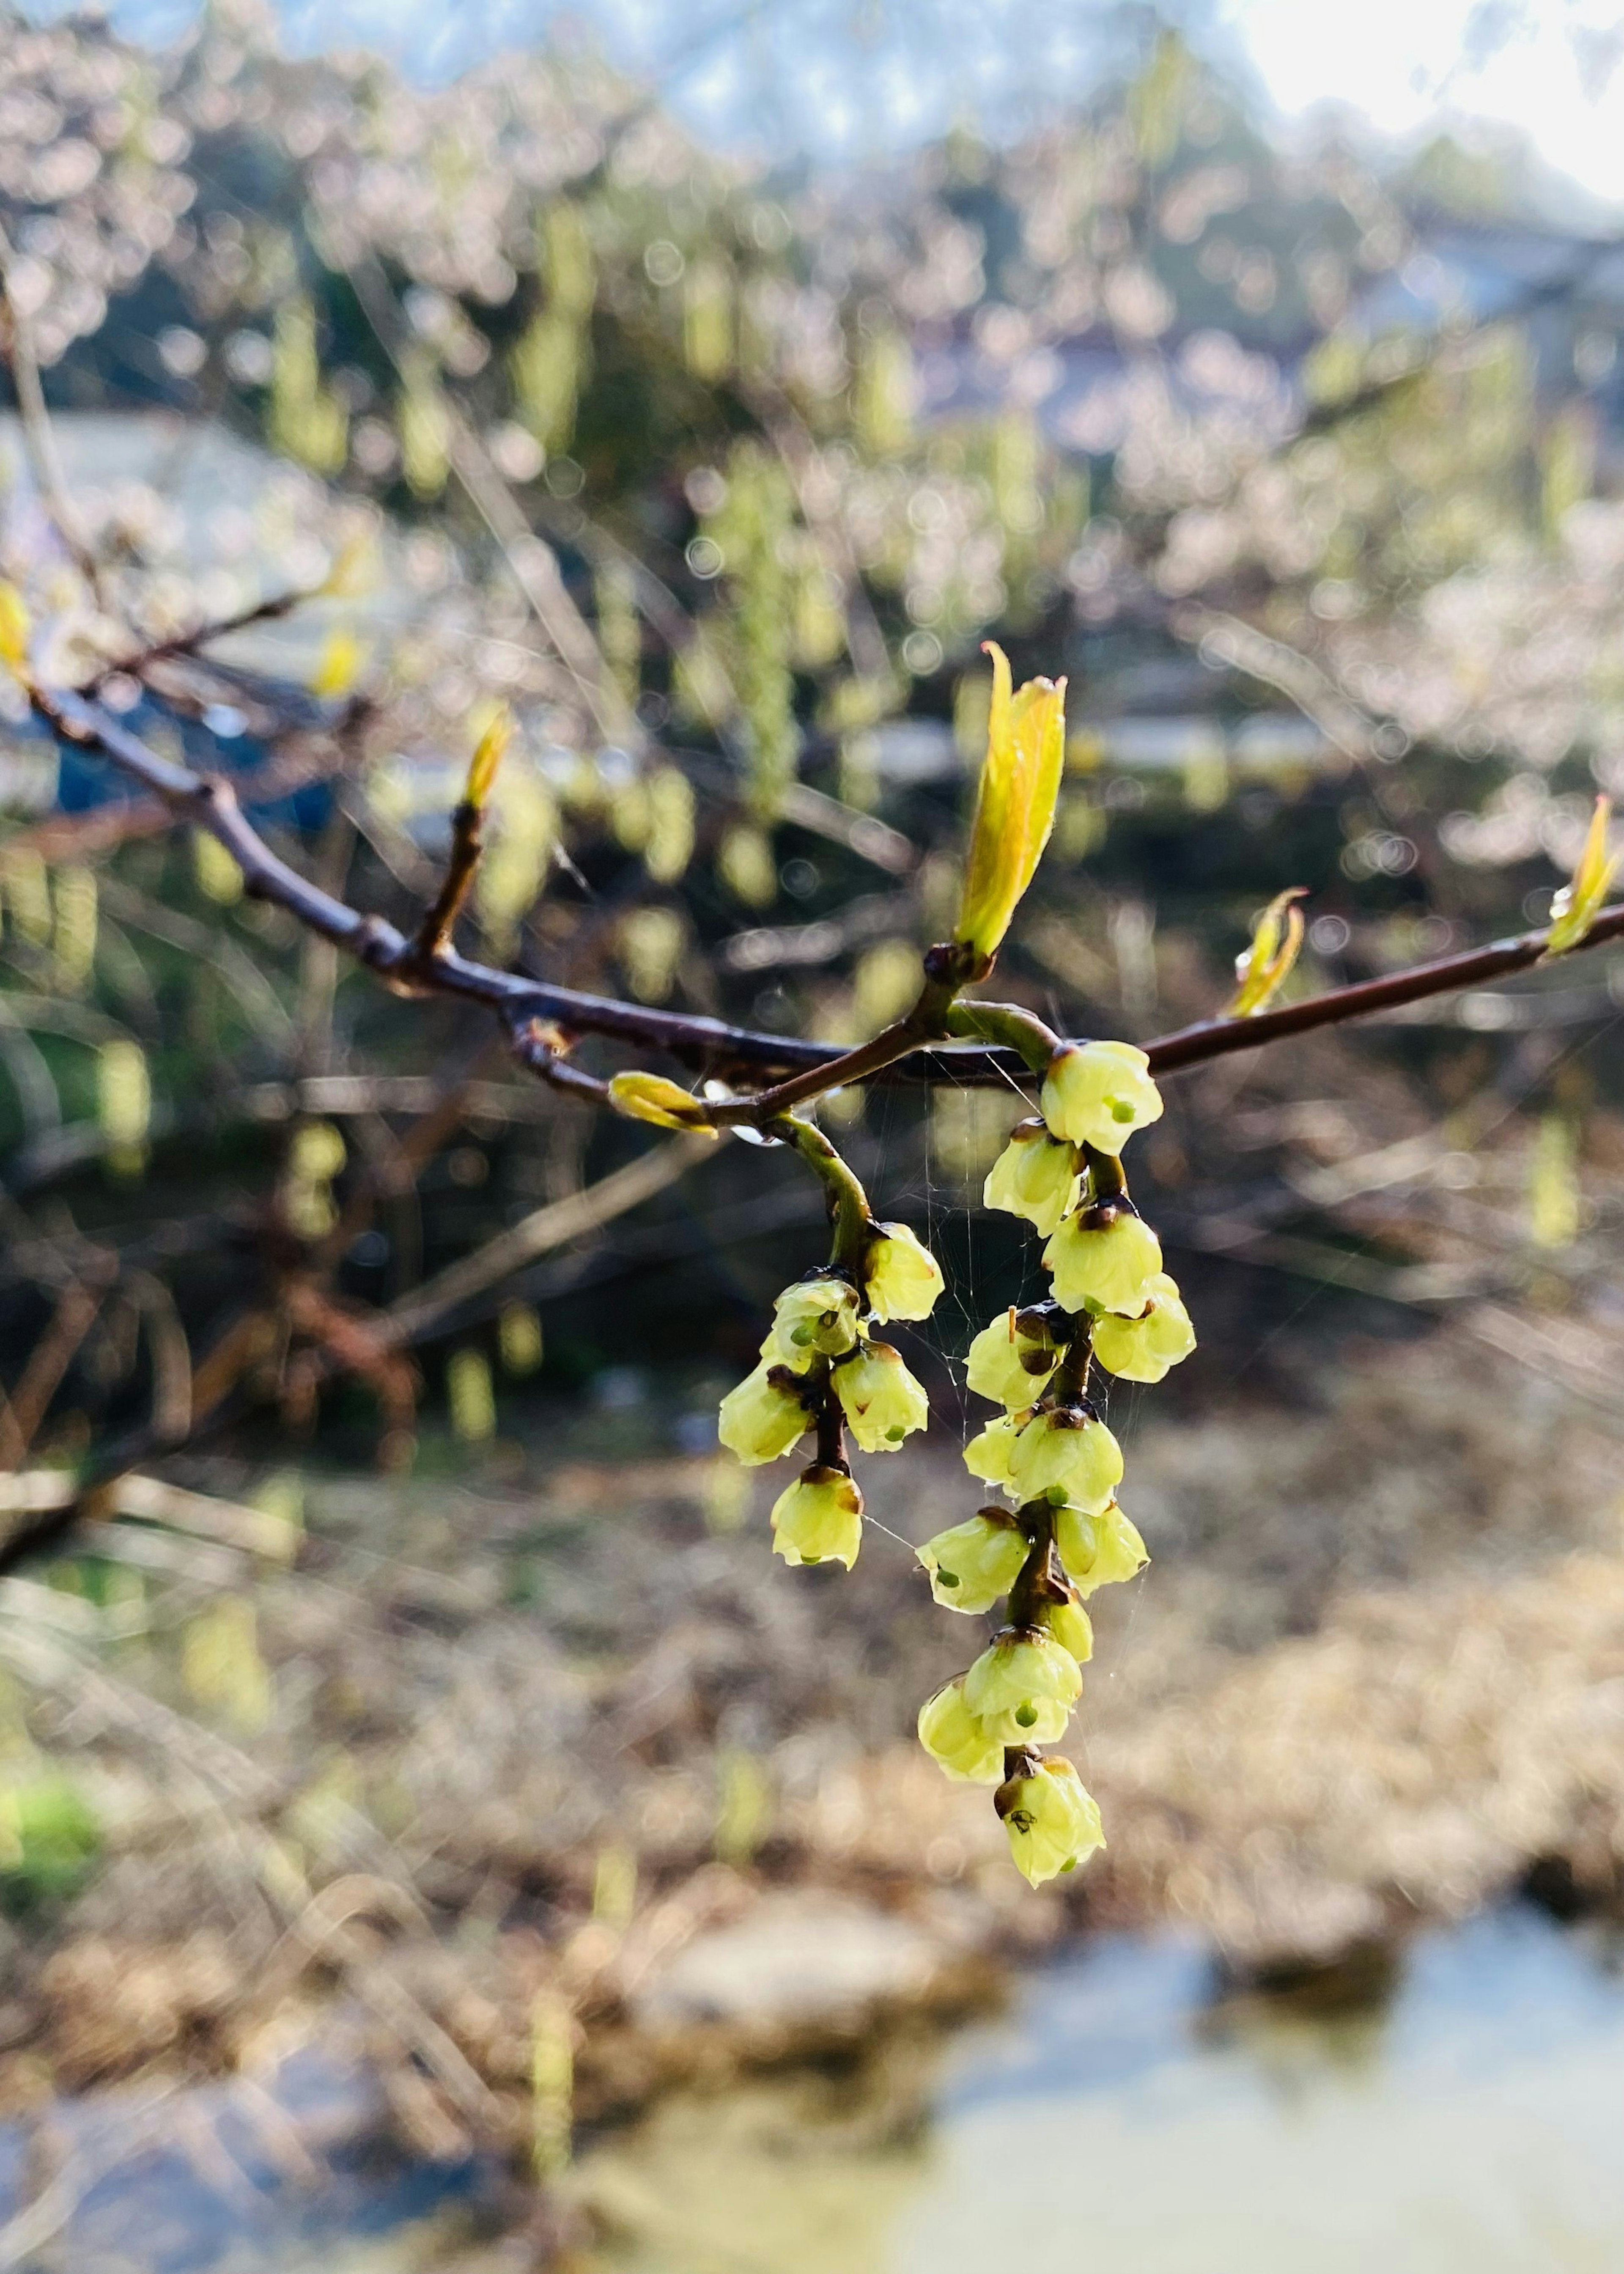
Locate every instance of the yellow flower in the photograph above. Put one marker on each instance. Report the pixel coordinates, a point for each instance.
(819, 1519)
(988, 1455)
(14, 630)
(1023, 1686)
(1098, 1094)
(880, 1398)
(1144, 1349)
(815, 1318)
(902, 1276)
(763, 1416)
(1014, 804)
(1008, 1364)
(1033, 1177)
(1052, 1820)
(974, 1562)
(956, 1741)
(1065, 1456)
(1578, 904)
(650, 1097)
(1104, 1265)
(1071, 1628)
(1098, 1550)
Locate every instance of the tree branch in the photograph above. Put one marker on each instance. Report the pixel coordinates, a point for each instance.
(543, 1021)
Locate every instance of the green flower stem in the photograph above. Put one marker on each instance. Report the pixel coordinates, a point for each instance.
(848, 1201)
(1006, 1024)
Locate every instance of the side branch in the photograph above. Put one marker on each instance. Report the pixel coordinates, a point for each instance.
(543, 1021)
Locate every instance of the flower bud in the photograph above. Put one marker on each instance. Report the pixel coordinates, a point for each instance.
(763, 1416)
(971, 1565)
(956, 1741)
(1023, 1687)
(815, 1318)
(1144, 1349)
(1098, 1094)
(879, 1398)
(1014, 802)
(1104, 1265)
(1098, 1550)
(1008, 1364)
(902, 1276)
(1051, 1818)
(650, 1097)
(988, 1455)
(1065, 1456)
(819, 1519)
(1033, 1177)
(1071, 1628)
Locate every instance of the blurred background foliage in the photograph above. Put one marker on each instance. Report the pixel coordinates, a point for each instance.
(1301, 468)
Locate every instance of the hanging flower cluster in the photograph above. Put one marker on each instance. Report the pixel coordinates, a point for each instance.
(822, 1370)
(1048, 1450)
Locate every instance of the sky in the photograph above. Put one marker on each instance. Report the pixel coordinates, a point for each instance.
(854, 78)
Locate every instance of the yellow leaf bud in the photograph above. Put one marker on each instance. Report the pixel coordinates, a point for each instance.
(988, 1455)
(14, 630)
(1276, 942)
(815, 1318)
(1023, 1686)
(1052, 1820)
(1144, 1349)
(1014, 803)
(881, 1402)
(1035, 1177)
(819, 1519)
(762, 1417)
(1098, 1094)
(495, 734)
(1065, 1456)
(1578, 904)
(956, 1741)
(902, 1276)
(340, 664)
(1097, 1551)
(1104, 1265)
(650, 1097)
(971, 1565)
(1009, 1366)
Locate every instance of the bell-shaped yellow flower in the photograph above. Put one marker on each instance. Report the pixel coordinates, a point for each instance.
(819, 1519)
(1098, 1094)
(1104, 1265)
(956, 1741)
(881, 1402)
(1098, 1551)
(988, 1455)
(1066, 1456)
(1035, 1177)
(763, 1416)
(1008, 1365)
(902, 1276)
(971, 1565)
(1146, 1348)
(1071, 1628)
(1014, 804)
(815, 1318)
(1023, 1686)
(1052, 1820)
